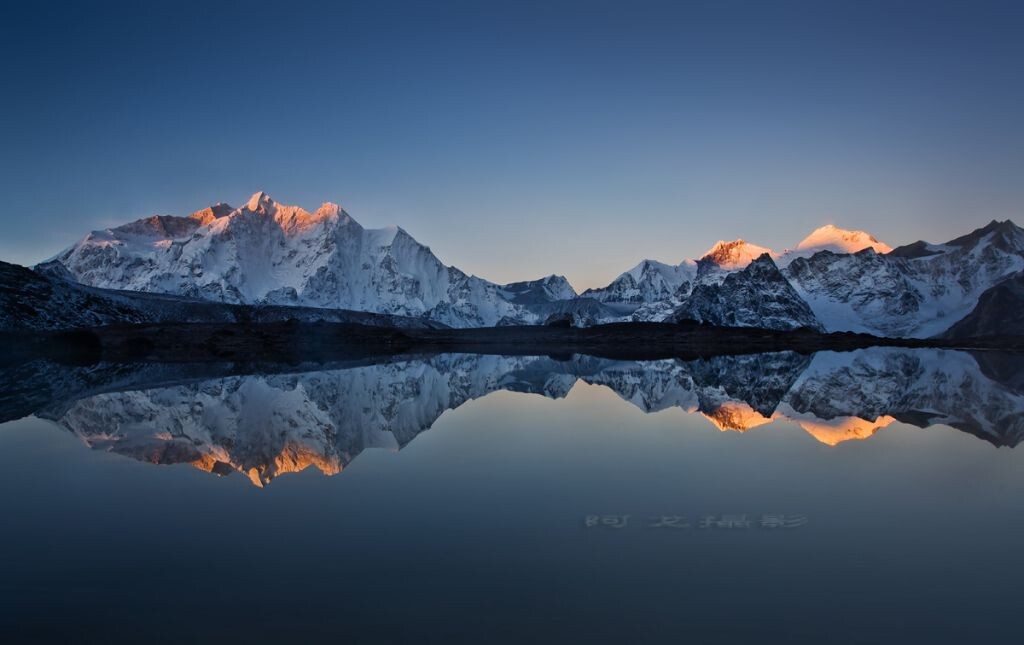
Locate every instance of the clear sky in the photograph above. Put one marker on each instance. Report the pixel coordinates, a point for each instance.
(518, 139)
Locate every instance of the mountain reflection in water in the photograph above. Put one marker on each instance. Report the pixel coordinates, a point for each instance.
(265, 425)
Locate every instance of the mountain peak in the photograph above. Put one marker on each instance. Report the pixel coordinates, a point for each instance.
(837, 240)
(211, 213)
(735, 254)
(1001, 229)
(259, 200)
(840, 240)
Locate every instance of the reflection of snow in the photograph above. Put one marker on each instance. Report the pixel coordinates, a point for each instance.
(266, 425)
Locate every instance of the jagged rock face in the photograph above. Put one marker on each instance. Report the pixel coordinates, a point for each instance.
(875, 289)
(914, 291)
(756, 296)
(265, 252)
(1000, 311)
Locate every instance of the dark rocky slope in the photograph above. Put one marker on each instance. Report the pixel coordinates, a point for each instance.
(999, 312)
(46, 300)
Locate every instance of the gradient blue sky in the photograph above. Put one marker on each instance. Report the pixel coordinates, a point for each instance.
(519, 138)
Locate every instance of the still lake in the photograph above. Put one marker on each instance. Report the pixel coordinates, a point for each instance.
(869, 497)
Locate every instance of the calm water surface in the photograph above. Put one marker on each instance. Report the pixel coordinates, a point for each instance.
(868, 497)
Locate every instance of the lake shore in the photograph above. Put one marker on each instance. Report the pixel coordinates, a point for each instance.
(294, 341)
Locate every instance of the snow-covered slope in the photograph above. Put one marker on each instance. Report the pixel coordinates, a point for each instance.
(915, 291)
(657, 305)
(730, 256)
(264, 252)
(1000, 311)
(834, 239)
(656, 282)
(850, 279)
(268, 253)
(48, 299)
(652, 291)
(649, 281)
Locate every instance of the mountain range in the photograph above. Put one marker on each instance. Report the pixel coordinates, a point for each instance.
(265, 253)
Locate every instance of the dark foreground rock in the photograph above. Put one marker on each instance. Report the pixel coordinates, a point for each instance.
(295, 341)
(48, 300)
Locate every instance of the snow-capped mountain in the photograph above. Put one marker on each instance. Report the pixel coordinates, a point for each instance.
(268, 253)
(834, 239)
(917, 291)
(656, 282)
(649, 281)
(654, 290)
(850, 280)
(755, 296)
(264, 252)
(720, 261)
(730, 256)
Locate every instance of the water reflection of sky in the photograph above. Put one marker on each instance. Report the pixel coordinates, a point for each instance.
(476, 529)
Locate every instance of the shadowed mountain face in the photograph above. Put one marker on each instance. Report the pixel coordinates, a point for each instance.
(48, 299)
(755, 296)
(269, 424)
(1000, 311)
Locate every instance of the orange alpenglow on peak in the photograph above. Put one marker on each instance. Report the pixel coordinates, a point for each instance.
(736, 415)
(291, 459)
(259, 199)
(841, 240)
(740, 417)
(835, 431)
(735, 254)
(212, 213)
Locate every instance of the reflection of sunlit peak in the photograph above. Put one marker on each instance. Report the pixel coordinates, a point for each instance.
(292, 459)
(205, 462)
(835, 431)
(736, 415)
